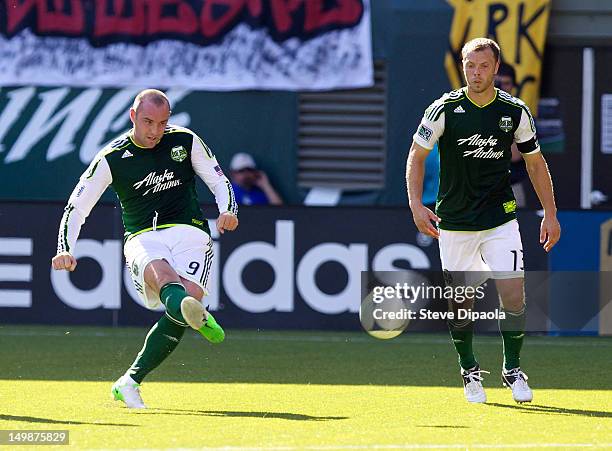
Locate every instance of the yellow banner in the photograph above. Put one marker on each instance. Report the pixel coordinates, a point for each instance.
(518, 26)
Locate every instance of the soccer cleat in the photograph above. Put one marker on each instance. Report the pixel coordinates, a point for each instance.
(472, 384)
(516, 380)
(127, 390)
(199, 319)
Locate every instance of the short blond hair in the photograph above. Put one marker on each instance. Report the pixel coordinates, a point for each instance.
(154, 95)
(480, 44)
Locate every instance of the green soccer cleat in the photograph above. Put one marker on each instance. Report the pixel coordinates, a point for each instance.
(199, 319)
(211, 330)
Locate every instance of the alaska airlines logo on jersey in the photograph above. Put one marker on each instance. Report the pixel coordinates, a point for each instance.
(505, 123)
(157, 183)
(178, 153)
(481, 144)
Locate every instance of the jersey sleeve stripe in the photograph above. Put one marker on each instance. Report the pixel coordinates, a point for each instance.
(62, 242)
(438, 114)
(231, 205)
(434, 112)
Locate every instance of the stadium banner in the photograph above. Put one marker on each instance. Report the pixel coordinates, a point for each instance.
(208, 45)
(49, 131)
(284, 268)
(518, 26)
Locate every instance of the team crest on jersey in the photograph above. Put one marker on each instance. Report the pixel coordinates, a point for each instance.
(178, 153)
(505, 123)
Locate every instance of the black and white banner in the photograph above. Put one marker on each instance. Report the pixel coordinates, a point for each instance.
(197, 44)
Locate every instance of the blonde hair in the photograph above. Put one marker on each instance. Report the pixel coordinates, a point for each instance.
(480, 44)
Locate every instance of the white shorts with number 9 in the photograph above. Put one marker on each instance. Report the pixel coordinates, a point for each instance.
(187, 249)
(497, 251)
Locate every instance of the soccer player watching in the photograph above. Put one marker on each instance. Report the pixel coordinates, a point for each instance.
(168, 248)
(477, 229)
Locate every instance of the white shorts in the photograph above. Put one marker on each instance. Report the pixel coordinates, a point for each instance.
(187, 249)
(495, 253)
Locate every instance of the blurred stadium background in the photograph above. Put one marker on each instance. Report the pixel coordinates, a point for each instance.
(325, 94)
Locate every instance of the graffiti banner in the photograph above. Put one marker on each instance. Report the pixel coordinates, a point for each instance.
(197, 44)
(518, 26)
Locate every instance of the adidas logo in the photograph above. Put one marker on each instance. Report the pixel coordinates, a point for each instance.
(127, 154)
(459, 109)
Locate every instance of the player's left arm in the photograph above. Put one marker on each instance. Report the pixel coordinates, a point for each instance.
(527, 144)
(206, 166)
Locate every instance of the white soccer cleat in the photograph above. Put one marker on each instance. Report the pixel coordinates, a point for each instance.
(472, 384)
(127, 390)
(516, 380)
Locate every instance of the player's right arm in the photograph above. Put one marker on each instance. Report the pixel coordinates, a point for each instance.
(429, 131)
(92, 184)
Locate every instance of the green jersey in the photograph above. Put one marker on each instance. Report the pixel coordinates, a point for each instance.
(155, 187)
(475, 152)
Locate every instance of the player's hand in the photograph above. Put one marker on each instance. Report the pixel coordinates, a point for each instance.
(422, 218)
(550, 231)
(227, 221)
(64, 260)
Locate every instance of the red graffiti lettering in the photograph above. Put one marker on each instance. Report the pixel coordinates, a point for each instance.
(185, 21)
(111, 18)
(197, 20)
(347, 12)
(213, 26)
(281, 13)
(50, 15)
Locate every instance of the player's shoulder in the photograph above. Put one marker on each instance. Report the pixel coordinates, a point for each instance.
(172, 129)
(121, 142)
(175, 135)
(509, 99)
(451, 96)
(434, 110)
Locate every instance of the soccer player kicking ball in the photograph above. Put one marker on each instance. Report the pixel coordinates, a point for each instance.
(168, 248)
(475, 127)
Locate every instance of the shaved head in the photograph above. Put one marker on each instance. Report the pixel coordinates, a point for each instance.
(154, 96)
(149, 114)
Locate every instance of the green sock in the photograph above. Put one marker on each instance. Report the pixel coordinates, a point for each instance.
(512, 330)
(172, 295)
(462, 335)
(161, 340)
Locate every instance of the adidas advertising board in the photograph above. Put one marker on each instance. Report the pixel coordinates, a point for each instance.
(296, 268)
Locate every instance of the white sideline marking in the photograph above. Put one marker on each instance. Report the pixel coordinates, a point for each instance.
(119, 333)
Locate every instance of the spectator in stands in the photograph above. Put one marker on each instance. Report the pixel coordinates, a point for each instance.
(251, 186)
(505, 79)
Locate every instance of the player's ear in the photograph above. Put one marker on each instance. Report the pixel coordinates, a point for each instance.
(132, 114)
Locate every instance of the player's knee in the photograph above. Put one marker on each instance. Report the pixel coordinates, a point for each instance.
(193, 289)
(158, 273)
(513, 301)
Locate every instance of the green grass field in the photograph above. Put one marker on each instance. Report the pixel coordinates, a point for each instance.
(298, 390)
